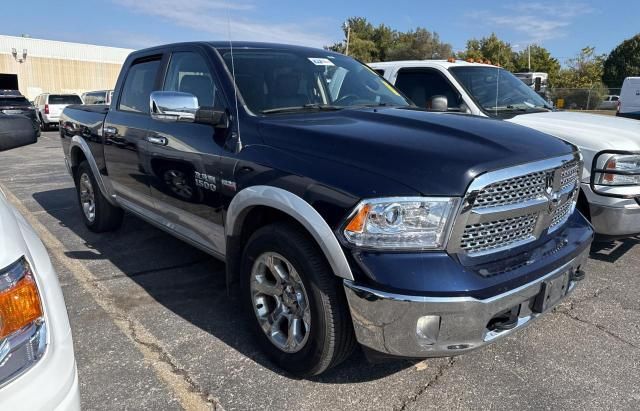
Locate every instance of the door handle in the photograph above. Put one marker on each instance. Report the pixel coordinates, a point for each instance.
(110, 131)
(160, 141)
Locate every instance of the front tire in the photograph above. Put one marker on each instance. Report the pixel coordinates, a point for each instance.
(298, 310)
(97, 213)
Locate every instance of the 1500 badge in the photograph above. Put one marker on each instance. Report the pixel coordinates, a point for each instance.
(206, 181)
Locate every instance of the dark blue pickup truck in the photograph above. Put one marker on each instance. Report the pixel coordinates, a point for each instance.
(344, 213)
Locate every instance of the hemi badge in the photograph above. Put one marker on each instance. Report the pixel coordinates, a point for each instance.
(229, 184)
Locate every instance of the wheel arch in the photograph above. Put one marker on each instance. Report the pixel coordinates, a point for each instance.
(290, 205)
(79, 151)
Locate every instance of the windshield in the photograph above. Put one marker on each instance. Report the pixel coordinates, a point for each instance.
(64, 99)
(496, 90)
(273, 81)
(14, 102)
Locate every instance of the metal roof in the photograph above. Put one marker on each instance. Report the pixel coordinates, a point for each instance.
(62, 50)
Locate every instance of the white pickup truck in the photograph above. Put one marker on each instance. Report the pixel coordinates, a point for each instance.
(610, 190)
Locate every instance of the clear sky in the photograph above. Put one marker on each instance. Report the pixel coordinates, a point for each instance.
(564, 27)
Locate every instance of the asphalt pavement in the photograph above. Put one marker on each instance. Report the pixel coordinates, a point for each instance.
(154, 328)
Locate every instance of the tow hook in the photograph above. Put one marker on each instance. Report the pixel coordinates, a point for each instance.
(578, 275)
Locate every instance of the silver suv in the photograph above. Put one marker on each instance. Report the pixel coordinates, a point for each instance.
(49, 107)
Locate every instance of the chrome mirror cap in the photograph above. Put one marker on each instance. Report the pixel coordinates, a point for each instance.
(173, 106)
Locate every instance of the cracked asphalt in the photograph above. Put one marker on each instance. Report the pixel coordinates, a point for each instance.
(154, 329)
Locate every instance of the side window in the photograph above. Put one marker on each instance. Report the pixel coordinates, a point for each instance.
(615, 98)
(380, 72)
(188, 72)
(138, 86)
(422, 85)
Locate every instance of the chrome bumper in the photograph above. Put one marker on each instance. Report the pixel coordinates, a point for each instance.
(420, 327)
(616, 221)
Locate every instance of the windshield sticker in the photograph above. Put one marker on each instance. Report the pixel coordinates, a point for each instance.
(321, 61)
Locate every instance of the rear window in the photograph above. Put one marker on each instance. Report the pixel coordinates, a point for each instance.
(64, 99)
(14, 102)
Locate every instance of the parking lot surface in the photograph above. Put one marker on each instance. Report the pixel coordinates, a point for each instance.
(154, 328)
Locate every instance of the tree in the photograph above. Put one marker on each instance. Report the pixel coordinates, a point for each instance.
(583, 72)
(624, 61)
(419, 45)
(490, 48)
(541, 61)
(382, 43)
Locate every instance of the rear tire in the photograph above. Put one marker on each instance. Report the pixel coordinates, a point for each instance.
(97, 213)
(43, 126)
(322, 338)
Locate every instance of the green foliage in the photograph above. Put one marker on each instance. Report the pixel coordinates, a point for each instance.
(490, 48)
(368, 43)
(583, 71)
(624, 61)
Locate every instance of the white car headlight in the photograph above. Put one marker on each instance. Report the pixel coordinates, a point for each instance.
(402, 223)
(625, 170)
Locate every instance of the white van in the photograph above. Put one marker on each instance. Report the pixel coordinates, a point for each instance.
(629, 103)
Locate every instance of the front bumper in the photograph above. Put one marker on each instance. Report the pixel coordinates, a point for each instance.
(420, 327)
(616, 221)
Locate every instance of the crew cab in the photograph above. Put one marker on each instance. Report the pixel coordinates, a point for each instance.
(344, 213)
(610, 186)
(37, 363)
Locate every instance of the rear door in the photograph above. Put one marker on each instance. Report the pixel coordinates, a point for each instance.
(126, 128)
(184, 164)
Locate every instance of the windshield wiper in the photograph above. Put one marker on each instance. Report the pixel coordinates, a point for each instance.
(306, 107)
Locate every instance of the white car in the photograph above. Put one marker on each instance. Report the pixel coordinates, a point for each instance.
(629, 103)
(609, 103)
(37, 363)
(50, 106)
(610, 189)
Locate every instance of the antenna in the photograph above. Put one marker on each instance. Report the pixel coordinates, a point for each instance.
(238, 147)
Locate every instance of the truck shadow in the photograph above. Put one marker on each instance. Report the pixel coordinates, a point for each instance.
(184, 280)
(611, 250)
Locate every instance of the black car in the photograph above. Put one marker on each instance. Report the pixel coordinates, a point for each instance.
(14, 103)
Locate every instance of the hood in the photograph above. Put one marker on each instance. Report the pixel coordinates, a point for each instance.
(12, 245)
(434, 153)
(587, 131)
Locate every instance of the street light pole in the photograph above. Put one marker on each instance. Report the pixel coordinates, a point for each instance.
(346, 52)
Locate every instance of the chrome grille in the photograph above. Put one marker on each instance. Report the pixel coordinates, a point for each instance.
(512, 191)
(486, 236)
(569, 175)
(511, 207)
(561, 214)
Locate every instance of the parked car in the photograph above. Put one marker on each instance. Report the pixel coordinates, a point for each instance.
(342, 211)
(609, 103)
(14, 103)
(629, 104)
(49, 107)
(610, 188)
(97, 97)
(37, 363)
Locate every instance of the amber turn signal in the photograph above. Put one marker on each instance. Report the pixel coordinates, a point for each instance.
(356, 225)
(19, 306)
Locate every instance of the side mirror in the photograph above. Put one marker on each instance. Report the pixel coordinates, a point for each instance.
(173, 106)
(16, 131)
(439, 103)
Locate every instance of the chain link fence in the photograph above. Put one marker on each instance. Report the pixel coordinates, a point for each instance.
(596, 98)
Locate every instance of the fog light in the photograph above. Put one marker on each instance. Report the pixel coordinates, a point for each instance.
(427, 329)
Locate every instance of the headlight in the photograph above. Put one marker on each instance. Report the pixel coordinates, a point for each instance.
(624, 170)
(22, 329)
(402, 223)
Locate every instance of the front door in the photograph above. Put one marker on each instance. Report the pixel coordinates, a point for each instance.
(185, 157)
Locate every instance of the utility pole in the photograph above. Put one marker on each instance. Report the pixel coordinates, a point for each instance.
(529, 52)
(346, 23)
